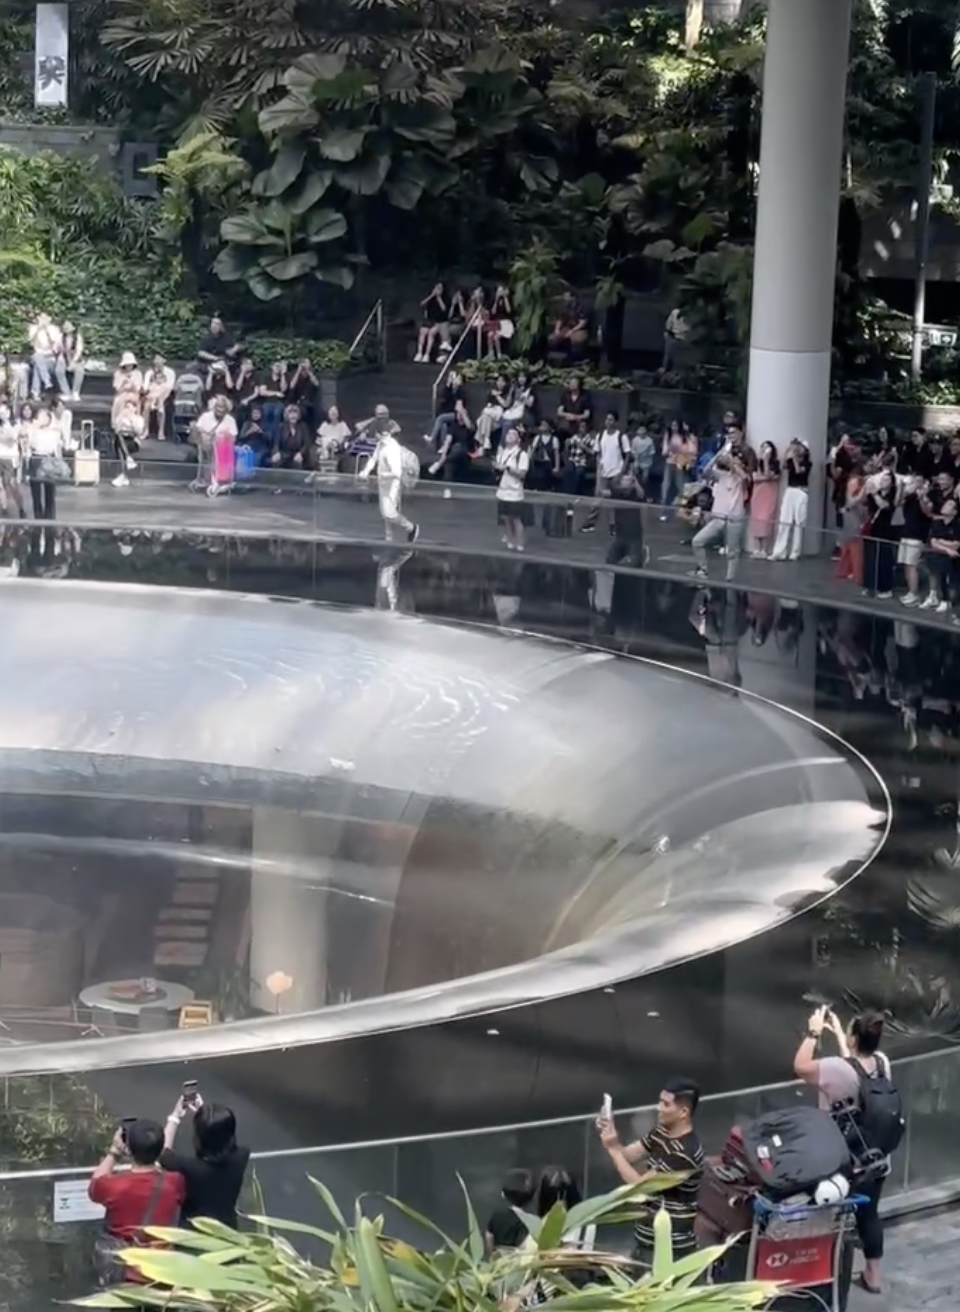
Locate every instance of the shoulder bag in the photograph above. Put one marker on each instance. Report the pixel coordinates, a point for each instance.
(109, 1270)
(52, 469)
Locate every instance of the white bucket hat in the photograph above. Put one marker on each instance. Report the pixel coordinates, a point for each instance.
(128, 360)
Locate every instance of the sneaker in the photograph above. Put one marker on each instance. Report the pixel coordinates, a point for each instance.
(131, 464)
(588, 528)
(664, 518)
(519, 547)
(909, 599)
(884, 596)
(121, 480)
(698, 573)
(413, 532)
(931, 602)
(447, 494)
(942, 607)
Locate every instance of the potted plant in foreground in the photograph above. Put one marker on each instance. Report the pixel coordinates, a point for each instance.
(366, 1270)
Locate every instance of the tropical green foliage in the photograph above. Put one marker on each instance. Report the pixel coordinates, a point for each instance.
(369, 1271)
(308, 140)
(73, 245)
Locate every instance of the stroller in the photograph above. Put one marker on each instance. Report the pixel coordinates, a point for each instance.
(187, 404)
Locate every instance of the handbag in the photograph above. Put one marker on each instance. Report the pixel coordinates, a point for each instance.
(109, 1271)
(52, 469)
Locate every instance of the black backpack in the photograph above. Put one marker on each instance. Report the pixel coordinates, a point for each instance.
(879, 1114)
(789, 1152)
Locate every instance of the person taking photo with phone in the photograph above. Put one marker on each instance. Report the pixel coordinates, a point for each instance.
(214, 1171)
(133, 1199)
(671, 1148)
(857, 1083)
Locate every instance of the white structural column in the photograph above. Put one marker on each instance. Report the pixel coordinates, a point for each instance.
(801, 155)
(288, 912)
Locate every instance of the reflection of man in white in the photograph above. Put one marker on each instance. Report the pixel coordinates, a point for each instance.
(387, 461)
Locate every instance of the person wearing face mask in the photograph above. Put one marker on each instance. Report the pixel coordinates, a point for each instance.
(512, 464)
(10, 462)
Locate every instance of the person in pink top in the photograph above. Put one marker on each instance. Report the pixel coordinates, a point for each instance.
(680, 457)
(765, 501)
(731, 471)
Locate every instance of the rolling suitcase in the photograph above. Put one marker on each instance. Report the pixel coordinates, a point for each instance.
(86, 459)
(245, 463)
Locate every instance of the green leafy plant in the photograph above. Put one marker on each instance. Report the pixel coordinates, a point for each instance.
(199, 180)
(535, 285)
(271, 247)
(369, 1271)
(543, 375)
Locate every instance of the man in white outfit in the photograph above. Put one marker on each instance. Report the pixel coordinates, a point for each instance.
(387, 462)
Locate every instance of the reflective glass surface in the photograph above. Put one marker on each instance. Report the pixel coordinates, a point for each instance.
(730, 1018)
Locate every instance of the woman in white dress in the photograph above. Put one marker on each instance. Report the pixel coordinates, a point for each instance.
(512, 464)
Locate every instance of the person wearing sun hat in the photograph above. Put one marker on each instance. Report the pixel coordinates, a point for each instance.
(127, 384)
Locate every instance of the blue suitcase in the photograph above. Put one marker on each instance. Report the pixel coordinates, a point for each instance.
(245, 463)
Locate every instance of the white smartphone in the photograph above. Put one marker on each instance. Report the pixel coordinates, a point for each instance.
(606, 1110)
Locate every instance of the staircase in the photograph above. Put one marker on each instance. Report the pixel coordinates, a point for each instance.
(405, 388)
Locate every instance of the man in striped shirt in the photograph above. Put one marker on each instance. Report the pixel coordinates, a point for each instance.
(671, 1148)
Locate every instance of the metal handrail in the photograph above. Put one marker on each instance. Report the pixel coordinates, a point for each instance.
(473, 322)
(61, 1172)
(374, 317)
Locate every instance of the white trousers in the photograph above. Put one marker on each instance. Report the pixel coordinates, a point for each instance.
(391, 495)
(792, 521)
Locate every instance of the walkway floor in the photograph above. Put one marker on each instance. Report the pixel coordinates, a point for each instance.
(921, 1266)
(464, 523)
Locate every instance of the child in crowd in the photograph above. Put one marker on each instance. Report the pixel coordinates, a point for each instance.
(505, 1229)
(644, 450)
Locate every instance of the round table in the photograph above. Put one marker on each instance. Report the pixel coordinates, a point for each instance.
(169, 997)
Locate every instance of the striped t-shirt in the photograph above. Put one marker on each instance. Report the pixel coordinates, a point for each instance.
(672, 1156)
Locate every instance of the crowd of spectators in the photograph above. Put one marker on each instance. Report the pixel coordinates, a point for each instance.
(895, 503)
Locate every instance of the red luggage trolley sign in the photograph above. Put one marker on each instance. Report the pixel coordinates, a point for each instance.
(797, 1263)
(800, 1247)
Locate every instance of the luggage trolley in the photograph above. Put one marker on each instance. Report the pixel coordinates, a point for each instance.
(805, 1249)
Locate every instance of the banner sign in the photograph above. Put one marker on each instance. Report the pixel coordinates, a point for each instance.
(51, 54)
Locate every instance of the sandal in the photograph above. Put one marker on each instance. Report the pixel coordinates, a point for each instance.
(861, 1280)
